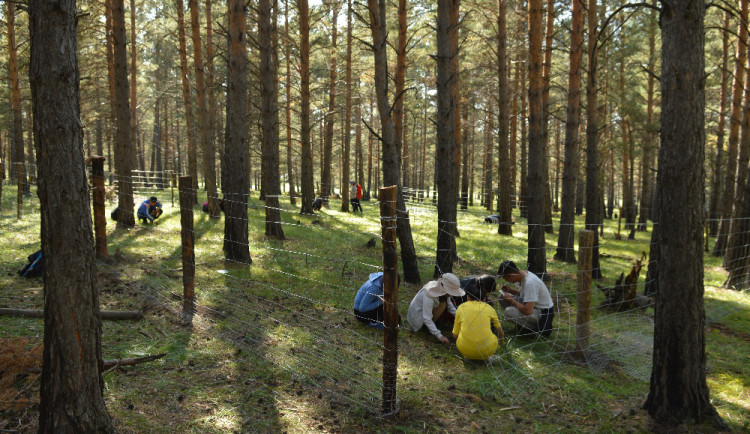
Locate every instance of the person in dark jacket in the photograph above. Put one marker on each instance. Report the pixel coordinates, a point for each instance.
(149, 210)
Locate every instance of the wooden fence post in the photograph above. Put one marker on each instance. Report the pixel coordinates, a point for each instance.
(583, 314)
(171, 185)
(100, 220)
(188, 250)
(2, 178)
(390, 297)
(20, 176)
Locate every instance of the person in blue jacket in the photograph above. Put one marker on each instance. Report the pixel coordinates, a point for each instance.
(149, 210)
(368, 304)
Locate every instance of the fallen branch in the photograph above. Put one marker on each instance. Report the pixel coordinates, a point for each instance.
(114, 363)
(105, 314)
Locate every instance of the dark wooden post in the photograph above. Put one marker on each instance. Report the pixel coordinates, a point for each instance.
(2, 177)
(390, 297)
(171, 185)
(188, 250)
(583, 314)
(100, 220)
(20, 176)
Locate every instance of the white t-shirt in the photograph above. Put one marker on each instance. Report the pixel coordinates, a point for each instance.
(533, 289)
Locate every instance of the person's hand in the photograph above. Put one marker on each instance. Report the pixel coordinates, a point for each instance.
(505, 288)
(507, 297)
(444, 340)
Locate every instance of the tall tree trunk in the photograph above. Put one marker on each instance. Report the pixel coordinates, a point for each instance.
(535, 182)
(678, 391)
(446, 138)
(514, 188)
(358, 141)
(209, 169)
(348, 113)
(593, 195)
(210, 84)
(523, 188)
(730, 180)
(288, 106)
(15, 91)
(566, 236)
(464, 200)
(123, 143)
(306, 178)
(270, 119)
(649, 145)
(487, 155)
(133, 79)
(235, 185)
(326, 187)
(505, 152)
(546, 73)
(391, 168)
(71, 386)
(713, 213)
(187, 100)
(398, 86)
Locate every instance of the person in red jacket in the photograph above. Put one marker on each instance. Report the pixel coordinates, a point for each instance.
(355, 194)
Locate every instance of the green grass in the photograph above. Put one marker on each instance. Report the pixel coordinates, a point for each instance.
(274, 346)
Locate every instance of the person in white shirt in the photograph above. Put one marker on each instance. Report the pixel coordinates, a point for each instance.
(431, 302)
(528, 302)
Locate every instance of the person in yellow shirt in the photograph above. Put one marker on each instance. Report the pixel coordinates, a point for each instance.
(472, 328)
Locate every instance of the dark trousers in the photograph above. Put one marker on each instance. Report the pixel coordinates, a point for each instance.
(355, 204)
(375, 315)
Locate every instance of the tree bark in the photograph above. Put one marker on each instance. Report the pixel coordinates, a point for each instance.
(464, 198)
(123, 143)
(730, 180)
(593, 194)
(306, 178)
(15, 92)
(288, 106)
(546, 73)
(713, 213)
(326, 187)
(270, 121)
(391, 168)
(71, 386)
(566, 236)
(446, 139)
(649, 145)
(209, 170)
(678, 391)
(213, 125)
(535, 179)
(235, 185)
(187, 99)
(134, 79)
(348, 114)
(504, 169)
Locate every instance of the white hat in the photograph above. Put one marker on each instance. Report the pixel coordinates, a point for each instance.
(447, 284)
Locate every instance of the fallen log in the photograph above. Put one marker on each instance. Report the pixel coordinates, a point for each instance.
(105, 314)
(132, 361)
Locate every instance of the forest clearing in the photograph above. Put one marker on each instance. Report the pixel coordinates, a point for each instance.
(274, 346)
(358, 216)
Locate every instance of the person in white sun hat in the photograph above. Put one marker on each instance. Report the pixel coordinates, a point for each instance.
(431, 303)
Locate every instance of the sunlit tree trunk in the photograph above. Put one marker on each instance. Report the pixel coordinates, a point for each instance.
(593, 195)
(134, 82)
(730, 180)
(326, 187)
(464, 198)
(713, 213)
(123, 143)
(288, 106)
(348, 114)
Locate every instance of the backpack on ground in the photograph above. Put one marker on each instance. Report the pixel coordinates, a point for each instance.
(34, 268)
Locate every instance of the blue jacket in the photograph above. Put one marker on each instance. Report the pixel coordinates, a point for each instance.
(368, 296)
(143, 210)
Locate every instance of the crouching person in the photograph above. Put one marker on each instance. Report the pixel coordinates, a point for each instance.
(528, 302)
(472, 329)
(368, 303)
(149, 210)
(432, 305)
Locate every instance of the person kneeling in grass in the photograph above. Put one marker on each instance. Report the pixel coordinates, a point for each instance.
(431, 303)
(472, 329)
